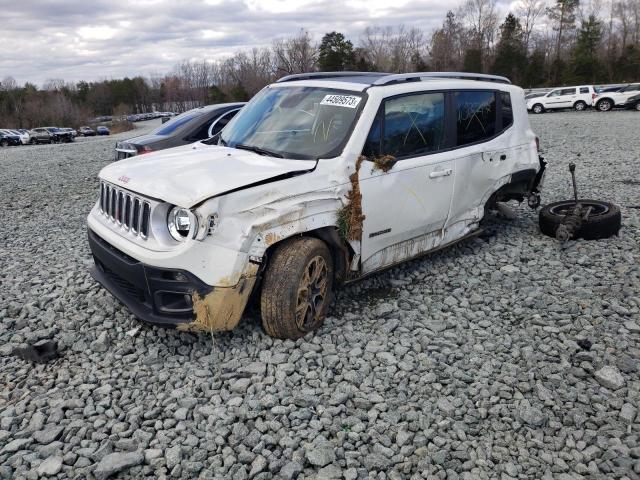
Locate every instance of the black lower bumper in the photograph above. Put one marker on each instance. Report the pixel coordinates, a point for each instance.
(158, 296)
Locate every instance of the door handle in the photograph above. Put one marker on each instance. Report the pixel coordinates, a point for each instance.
(441, 173)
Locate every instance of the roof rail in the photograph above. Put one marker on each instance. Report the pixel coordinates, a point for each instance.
(418, 76)
(323, 75)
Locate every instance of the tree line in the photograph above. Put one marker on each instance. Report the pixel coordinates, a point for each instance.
(541, 43)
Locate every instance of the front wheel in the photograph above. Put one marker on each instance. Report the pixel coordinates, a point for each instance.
(4, 143)
(637, 107)
(603, 221)
(605, 105)
(537, 108)
(297, 288)
(580, 106)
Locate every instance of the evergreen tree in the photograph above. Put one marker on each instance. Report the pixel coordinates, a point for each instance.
(511, 58)
(472, 61)
(335, 53)
(628, 64)
(535, 72)
(586, 67)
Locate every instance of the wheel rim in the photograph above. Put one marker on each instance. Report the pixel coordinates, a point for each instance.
(604, 106)
(597, 209)
(579, 106)
(638, 106)
(312, 293)
(537, 109)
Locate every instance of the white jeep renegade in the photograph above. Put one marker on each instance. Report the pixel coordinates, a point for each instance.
(320, 179)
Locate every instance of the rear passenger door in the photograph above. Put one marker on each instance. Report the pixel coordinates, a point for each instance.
(406, 180)
(486, 149)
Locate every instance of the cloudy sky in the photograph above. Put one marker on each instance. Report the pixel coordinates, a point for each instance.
(96, 39)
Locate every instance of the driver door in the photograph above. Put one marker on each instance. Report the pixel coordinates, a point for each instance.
(407, 205)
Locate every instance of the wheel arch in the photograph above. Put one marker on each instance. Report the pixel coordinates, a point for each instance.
(600, 100)
(341, 251)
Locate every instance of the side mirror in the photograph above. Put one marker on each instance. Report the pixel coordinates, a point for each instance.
(165, 119)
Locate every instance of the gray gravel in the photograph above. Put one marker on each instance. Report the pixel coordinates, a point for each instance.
(465, 364)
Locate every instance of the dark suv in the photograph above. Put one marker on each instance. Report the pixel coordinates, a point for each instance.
(8, 138)
(188, 127)
(50, 135)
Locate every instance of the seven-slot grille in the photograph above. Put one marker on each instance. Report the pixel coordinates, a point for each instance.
(127, 210)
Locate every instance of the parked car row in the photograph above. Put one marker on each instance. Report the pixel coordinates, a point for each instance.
(40, 135)
(149, 116)
(585, 96)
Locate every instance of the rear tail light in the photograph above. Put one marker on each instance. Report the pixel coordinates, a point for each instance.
(593, 96)
(144, 149)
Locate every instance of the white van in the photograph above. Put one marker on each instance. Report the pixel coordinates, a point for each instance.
(321, 179)
(578, 98)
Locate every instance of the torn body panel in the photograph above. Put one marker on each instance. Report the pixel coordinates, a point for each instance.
(222, 308)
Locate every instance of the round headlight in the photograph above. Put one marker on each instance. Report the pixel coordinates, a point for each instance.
(182, 223)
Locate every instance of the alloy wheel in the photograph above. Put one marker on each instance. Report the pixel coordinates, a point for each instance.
(312, 293)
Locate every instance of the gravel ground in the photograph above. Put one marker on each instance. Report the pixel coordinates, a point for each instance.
(502, 357)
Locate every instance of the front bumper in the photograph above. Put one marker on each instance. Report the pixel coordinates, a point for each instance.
(168, 297)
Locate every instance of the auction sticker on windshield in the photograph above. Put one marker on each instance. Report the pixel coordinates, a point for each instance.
(349, 101)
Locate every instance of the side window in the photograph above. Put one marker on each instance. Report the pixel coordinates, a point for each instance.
(475, 116)
(554, 93)
(584, 89)
(413, 124)
(506, 110)
(567, 91)
(221, 122)
(197, 131)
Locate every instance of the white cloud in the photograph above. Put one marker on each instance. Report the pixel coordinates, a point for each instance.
(117, 38)
(97, 32)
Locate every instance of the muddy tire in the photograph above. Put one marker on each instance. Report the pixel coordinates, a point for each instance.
(604, 222)
(297, 287)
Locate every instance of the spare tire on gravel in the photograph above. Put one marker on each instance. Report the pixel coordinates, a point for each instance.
(604, 220)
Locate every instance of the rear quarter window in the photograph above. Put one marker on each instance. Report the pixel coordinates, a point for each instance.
(506, 110)
(476, 115)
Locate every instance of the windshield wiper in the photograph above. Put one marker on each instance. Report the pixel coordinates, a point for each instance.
(258, 150)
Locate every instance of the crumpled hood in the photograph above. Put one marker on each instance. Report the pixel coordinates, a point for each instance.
(190, 174)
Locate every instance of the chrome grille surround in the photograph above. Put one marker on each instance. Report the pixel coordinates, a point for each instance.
(126, 209)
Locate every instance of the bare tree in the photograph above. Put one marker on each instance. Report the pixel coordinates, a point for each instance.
(529, 12)
(481, 17)
(297, 54)
(389, 50)
(446, 45)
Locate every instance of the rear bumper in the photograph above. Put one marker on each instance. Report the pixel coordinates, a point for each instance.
(168, 297)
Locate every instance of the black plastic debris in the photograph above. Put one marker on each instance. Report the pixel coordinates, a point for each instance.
(584, 344)
(40, 352)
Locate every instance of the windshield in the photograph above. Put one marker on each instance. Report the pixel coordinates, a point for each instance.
(295, 122)
(170, 126)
